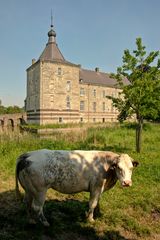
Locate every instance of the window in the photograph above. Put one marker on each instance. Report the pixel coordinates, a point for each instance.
(52, 98)
(103, 94)
(81, 119)
(68, 86)
(60, 119)
(82, 92)
(94, 119)
(94, 92)
(103, 106)
(94, 106)
(68, 104)
(59, 71)
(82, 106)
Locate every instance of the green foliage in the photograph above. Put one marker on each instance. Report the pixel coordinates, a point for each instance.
(142, 95)
(10, 109)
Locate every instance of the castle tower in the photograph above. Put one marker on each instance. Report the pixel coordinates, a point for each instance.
(52, 87)
(59, 91)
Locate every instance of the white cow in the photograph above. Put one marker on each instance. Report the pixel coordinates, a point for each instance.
(69, 172)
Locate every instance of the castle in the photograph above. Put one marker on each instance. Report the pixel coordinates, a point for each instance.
(59, 91)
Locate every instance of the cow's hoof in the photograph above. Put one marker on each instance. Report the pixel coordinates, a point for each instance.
(89, 217)
(45, 224)
(91, 220)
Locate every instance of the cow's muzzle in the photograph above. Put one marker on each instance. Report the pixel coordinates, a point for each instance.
(127, 183)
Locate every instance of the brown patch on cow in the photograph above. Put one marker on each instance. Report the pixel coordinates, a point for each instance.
(108, 157)
(111, 179)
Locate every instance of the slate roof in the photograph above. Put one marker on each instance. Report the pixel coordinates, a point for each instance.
(52, 52)
(98, 78)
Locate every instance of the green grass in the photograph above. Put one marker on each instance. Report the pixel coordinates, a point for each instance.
(132, 213)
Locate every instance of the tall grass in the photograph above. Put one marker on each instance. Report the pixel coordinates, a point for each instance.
(132, 213)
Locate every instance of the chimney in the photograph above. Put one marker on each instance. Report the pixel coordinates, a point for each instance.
(97, 69)
(33, 61)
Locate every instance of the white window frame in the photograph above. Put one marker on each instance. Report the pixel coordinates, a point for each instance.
(94, 92)
(68, 102)
(82, 105)
(68, 86)
(82, 91)
(59, 71)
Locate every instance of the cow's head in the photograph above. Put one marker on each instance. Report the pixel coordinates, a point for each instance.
(123, 166)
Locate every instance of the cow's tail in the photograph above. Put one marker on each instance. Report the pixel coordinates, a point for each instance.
(17, 190)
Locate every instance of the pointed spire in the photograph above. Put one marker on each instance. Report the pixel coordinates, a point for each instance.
(51, 19)
(51, 33)
(51, 51)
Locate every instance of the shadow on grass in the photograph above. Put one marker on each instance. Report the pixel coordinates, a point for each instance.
(116, 148)
(66, 217)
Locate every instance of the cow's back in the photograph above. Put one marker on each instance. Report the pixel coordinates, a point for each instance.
(64, 171)
(69, 171)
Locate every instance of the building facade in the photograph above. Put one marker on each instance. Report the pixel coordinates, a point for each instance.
(59, 91)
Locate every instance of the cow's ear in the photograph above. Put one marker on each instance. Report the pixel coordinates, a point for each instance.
(135, 163)
(114, 163)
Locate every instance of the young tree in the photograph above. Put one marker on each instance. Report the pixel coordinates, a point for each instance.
(141, 96)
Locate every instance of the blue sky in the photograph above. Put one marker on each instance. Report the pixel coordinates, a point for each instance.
(93, 33)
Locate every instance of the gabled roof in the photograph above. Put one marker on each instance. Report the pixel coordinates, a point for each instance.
(98, 78)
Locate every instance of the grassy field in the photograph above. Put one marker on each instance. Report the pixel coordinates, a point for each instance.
(126, 214)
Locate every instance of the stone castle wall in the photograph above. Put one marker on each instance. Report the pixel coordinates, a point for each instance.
(55, 95)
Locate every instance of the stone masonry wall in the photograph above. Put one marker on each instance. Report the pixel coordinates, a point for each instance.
(59, 99)
(97, 108)
(55, 95)
(33, 93)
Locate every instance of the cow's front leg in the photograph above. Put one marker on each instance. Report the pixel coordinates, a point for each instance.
(93, 202)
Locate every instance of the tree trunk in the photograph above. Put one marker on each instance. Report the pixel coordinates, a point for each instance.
(139, 134)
